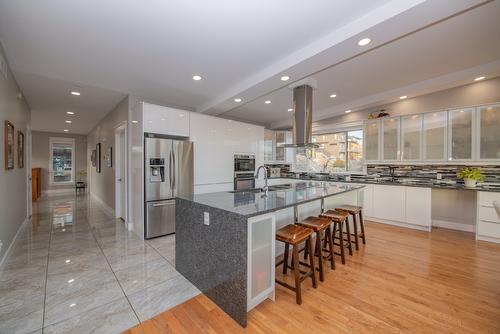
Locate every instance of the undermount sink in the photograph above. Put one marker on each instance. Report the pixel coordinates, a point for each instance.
(261, 190)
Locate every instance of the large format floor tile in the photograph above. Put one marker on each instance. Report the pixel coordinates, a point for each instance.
(77, 269)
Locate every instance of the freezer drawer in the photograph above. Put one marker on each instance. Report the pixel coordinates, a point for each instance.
(160, 218)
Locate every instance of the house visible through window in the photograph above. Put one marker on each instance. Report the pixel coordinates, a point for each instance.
(340, 151)
(62, 154)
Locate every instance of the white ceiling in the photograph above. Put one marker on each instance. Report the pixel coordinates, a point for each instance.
(240, 48)
(465, 45)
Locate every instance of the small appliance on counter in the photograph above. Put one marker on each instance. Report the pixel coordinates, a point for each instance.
(168, 173)
(244, 169)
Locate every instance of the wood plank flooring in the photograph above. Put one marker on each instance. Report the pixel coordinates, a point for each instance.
(402, 281)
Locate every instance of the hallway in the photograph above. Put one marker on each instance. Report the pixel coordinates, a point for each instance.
(77, 269)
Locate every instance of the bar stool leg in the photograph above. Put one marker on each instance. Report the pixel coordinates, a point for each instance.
(341, 241)
(348, 230)
(328, 234)
(362, 224)
(285, 258)
(296, 271)
(320, 257)
(311, 262)
(355, 224)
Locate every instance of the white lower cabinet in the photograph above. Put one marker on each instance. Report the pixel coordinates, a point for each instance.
(260, 259)
(398, 205)
(488, 216)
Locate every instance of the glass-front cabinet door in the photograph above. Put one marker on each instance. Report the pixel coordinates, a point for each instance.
(280, 149)
(269, 141)
(489, 132)
(390, 138)
(435, 135)
(411, 137)
(371, 144)
(461, 131)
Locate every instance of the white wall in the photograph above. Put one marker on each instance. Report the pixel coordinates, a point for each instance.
(41, 152)
(136, 167)
(102, 185)
(13, 183)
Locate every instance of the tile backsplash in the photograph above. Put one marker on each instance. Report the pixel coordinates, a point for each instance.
(448, 172)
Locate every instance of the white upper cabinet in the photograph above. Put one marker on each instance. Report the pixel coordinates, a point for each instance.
(390, 138)
(372, 142)
(489, 132)
(435, 135)
(274, 151)
(461, 134)
(411, 137)
(165, 120)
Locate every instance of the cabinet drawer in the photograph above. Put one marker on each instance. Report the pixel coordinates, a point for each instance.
(487, 198)
(489, 214)
(488, 229)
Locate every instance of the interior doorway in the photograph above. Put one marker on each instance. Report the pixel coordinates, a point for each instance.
(121, 172)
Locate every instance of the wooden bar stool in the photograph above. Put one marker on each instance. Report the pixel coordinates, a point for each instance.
(354, 211)
(294, 235)
(339, 219)
(320, 225)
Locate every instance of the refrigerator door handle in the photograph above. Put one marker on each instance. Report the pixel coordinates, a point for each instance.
(174, 172)
(162, 204)
(170, 170)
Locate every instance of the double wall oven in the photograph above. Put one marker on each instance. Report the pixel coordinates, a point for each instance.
(244, 169)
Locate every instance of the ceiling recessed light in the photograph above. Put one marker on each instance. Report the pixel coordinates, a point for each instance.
(403, 97)
(333, 96)
(135, 122)
(348, 111)
(196, 78)
(71, 280)
(70, 113)
(72, 305)
(290, 109)
(69, 122)
(68, 261)
(479, 78)
(74, 92)
(364, 41)
(65, 130)
(285, 78)
(238, 100)
(267, 102)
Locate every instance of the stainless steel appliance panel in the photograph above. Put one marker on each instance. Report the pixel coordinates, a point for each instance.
(160, 218)
(182, 172)
(156, 148)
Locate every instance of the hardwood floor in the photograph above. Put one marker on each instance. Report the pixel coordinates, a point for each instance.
(402, 281)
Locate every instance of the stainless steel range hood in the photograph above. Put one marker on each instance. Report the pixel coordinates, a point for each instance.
(302, 117)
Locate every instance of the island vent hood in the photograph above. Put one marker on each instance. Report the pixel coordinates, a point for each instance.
(302, 117)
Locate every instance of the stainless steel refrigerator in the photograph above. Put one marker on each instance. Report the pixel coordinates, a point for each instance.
(168, 173)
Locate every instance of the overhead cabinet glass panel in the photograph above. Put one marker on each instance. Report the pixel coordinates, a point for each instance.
(411, 137)
(390, 138)
(372, 130)
(435, 125)
(489, 132)
(461, 133)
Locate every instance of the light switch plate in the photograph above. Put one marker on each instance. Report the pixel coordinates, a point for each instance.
(206, 218)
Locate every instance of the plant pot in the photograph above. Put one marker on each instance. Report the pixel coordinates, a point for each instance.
(470, 182)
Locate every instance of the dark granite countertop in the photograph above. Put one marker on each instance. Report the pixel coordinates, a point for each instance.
(249, 204)
(417, 183)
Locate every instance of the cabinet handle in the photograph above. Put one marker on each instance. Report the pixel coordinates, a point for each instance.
(162, 204)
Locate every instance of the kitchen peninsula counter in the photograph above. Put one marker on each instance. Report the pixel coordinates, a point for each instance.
(225, 241)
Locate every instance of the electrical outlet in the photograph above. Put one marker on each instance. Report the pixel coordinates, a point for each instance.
(439, 176)
(206, 218)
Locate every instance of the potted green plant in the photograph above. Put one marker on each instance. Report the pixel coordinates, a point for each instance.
(471, 176)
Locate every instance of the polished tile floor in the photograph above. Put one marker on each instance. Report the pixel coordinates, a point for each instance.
(76, 269)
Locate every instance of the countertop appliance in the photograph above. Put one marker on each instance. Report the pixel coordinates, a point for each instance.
(244, 168)
(168, 173)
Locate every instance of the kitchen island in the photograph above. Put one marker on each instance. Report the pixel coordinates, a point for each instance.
(225, 241)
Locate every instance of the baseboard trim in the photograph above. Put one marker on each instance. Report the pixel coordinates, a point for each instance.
(453, 225)
(488, 239)
(9, 249)
(400, 224)
(109, 210)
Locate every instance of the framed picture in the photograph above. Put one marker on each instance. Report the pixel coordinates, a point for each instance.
(93, 157)
(98, 158)
(109, 157)
(9, 145)
(20, 149)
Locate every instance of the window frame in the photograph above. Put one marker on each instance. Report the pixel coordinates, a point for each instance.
(346, 151)
(61, 140)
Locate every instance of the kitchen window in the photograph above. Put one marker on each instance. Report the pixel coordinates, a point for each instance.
(340, 151)
(61, 163)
